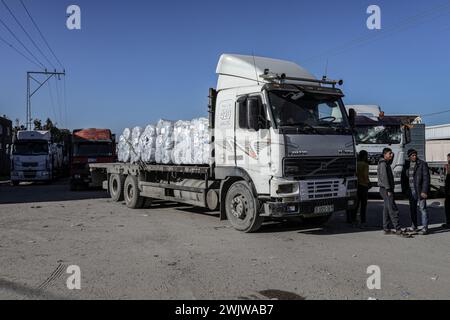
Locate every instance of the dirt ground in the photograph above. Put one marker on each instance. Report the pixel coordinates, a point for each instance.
(178, 252)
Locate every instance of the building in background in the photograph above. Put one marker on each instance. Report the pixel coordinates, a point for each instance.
(5, 143)
(438, 143)
(438, 146)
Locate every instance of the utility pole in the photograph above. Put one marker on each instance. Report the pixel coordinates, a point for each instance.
(31, 75)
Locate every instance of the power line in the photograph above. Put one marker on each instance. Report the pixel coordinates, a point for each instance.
(28, 35)
(65, 102)
(42, 35)
(19, 52)
(435, 113)
(52, 100)
(58, 101)
(22, 44)
(363, 39)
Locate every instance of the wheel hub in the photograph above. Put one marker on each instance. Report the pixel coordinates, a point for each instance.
(238, 208)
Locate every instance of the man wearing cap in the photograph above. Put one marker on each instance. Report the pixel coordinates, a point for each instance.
(447, 195)
(416, 184)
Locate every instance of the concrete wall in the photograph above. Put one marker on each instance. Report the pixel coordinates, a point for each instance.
(437, 150)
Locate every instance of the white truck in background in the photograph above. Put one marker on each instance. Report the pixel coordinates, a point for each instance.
(375, 131)
(281, 146)
(35, 158)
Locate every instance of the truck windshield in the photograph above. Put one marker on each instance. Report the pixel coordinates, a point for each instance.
(305, 110)
(378, 135)
(30, 148)
(92, 149)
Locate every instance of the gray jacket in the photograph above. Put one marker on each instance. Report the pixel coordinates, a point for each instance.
(385, 176)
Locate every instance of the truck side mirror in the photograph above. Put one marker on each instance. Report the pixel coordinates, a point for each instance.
(253, 111)
(352, 117)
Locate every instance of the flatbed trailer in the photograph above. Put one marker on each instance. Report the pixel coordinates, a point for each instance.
(185, 184)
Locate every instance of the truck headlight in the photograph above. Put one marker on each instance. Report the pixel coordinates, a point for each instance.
(352, 185)
(287, 188)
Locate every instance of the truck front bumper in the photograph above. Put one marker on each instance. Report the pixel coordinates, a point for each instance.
(307, 209)
(30, 176)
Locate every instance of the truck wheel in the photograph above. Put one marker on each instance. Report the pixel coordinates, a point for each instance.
(116, 182)
(241, 207)
(14, 183)
(133, 199)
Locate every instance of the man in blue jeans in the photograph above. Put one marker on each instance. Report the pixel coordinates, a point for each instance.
(416, 184)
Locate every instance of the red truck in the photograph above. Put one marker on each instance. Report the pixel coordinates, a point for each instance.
(89, 146)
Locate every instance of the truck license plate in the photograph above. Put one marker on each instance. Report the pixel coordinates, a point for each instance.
(92, 160)
(324, 209)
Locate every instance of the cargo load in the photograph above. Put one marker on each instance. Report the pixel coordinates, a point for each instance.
(167, 142)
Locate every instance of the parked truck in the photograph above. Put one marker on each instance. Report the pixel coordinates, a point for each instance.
(281, 147)
(89, 146)
(35, 158)
(375, 131)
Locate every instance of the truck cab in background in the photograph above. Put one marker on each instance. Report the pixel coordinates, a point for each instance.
(34, 157)
(375, 131)
(89, 146)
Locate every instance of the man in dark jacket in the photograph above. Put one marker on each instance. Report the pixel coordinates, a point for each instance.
(447, 195)
(387, 185)
(416, 185)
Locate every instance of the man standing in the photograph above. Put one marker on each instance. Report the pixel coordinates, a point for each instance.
(387, 185)
(447, 195)
(416, 184)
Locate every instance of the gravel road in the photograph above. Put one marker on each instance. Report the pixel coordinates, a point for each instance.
(178, 252)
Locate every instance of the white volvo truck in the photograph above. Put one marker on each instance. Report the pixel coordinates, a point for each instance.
(35, 158)
(375, 131)
(281, 146)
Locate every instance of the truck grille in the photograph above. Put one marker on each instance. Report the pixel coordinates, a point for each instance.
(322, 189)
(374, 158)
(29, 164)
(319, 167)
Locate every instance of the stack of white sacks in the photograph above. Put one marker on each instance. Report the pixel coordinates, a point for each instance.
(181, 142)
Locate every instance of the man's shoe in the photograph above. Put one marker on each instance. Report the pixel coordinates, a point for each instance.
(424, 232)
(387, 232)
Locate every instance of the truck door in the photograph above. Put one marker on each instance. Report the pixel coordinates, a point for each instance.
(252, 145)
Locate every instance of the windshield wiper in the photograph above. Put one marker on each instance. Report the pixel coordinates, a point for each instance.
(304, 124)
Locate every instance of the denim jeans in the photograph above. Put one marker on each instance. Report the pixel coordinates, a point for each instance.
(414, 202)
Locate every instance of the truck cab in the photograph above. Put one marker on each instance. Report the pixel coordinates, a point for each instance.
(89, 146)
(33, 157)
(374, 131)
(287, 133)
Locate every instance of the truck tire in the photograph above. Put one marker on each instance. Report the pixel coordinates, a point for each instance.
(241, 207)
(14, 183)
(116, 182)
(131, 192)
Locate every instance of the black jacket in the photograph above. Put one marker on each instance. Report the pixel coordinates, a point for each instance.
(421, 178)
(447, 183)
(385, 176)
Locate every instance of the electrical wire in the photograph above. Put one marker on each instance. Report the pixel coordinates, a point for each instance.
(52, 100)
(27, 34)
(22, 44)
(42, 35)
(364, 39)
(435, 113)
(19, 52)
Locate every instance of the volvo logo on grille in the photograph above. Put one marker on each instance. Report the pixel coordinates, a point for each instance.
(323, 165)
